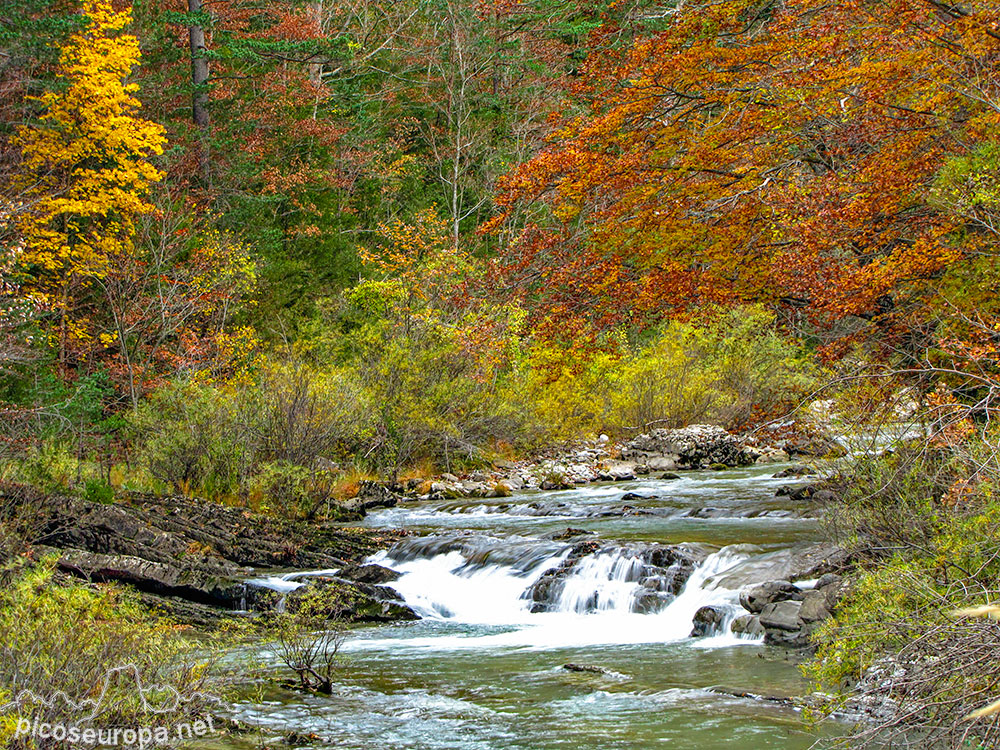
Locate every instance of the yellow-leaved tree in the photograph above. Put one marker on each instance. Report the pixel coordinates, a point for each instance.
(87, 169)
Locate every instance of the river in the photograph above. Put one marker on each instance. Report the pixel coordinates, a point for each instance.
(482, 670)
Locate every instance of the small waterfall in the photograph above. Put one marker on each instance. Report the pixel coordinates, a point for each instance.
(281, 585)
(703, 589)
(605, 581)
(557, 595)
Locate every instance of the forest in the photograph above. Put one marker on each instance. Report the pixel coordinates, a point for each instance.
(355, 274)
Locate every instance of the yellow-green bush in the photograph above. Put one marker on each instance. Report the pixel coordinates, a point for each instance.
(928, 544)
(71, 637)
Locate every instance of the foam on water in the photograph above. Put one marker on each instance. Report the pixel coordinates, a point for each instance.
(593, 608)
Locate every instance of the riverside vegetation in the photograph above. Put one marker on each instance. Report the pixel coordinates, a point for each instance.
(269, 266)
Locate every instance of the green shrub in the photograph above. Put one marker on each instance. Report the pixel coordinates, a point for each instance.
(290, 491)
(70, 637)
(188, 438)
(928, 544)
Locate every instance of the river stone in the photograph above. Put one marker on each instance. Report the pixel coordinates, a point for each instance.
(796, 493)
(514, 482)
(832, 587)
(747, 625)
(369, 573)
(797, 639)
(814, 607)
(755, 598)
(783, 615)
(338, 599)
(621, 471)
(472, 488)
(661, 463)
(707, 621)
(797, 470)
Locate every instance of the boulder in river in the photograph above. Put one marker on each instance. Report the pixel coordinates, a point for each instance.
(787, 614)
(796, 493)
(754, 598)
(747, 625)
(708, 620)
(797, 470)
(335, 598)
(781, 615)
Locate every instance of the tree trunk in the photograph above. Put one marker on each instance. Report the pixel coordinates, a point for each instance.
(199, 80)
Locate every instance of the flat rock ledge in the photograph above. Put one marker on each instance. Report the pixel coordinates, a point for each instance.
(193, 559)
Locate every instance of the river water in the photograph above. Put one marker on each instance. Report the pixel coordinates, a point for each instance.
(481, 670)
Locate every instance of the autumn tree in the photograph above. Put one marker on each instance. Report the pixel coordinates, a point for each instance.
(86, 171)
(752, 152)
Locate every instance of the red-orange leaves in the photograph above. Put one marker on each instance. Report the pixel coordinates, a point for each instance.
(755, 151)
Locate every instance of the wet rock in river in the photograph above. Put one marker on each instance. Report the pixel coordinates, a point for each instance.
(586, 668)
(631, 497)
(571, 533)
(747, 625)
(793, 471)
(796, 493)
(708, 620)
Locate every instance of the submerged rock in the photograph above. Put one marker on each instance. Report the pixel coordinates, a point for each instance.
(570, 667)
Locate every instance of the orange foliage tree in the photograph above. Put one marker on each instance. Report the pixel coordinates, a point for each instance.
(789, 153)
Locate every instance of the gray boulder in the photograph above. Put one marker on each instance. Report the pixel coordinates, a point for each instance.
(814, 608)
(747, 625)
(783, 615)
(755, 598)
(707, 621)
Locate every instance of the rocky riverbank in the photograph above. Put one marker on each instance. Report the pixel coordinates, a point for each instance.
(201, 561)
(194, 559)
(659, 452)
